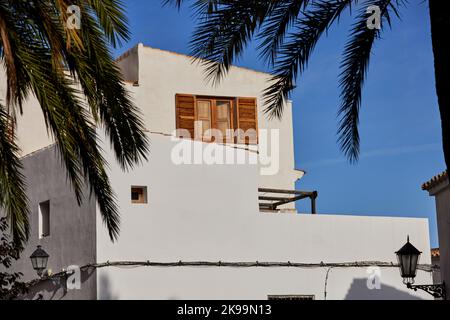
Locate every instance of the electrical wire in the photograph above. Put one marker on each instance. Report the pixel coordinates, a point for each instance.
(224, 264)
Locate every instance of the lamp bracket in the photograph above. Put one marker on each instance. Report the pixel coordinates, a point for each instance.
(436, 290)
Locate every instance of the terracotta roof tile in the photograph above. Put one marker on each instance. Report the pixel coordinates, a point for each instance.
(435, 253)
(435, 181)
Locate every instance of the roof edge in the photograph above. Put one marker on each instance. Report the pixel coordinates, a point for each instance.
(193, 57)
(433, 182)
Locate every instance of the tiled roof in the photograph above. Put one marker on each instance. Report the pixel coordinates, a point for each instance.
(435, 181)
(435, 253)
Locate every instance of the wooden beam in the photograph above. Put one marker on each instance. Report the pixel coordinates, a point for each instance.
(313, 202)
(272, 198)
(265, 190)
(286, 201)
(276, 201)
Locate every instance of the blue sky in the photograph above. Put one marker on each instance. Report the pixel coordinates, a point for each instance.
(400, 126)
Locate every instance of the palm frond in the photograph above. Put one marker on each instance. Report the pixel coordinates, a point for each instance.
(109, 99)
(7, 56)
(354, 67)
(12, 186)
(176, 3)
(224, 32)
(295, 53)
(282, 16)
(111, 17)
(75, 134)
(42, 50)
(200, 6)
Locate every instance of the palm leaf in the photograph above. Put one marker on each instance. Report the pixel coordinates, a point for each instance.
(12, 187)
(223, 33)
(293, 56)
(354, 67)
(41, 51)
(282, 16)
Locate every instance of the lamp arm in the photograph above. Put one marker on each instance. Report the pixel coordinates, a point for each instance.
(436, 290)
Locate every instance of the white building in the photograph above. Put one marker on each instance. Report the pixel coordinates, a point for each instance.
(439, 188)
(197, 211)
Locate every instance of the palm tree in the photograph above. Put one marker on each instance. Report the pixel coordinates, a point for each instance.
(288, 31)
(69, 68)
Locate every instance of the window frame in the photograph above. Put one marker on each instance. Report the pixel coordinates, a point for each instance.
(144, 194)
(186, 110)
(44, 219)
(213, 115)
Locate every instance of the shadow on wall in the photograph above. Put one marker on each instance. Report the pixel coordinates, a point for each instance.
(358, 291)
(56, 289)
(105, 288)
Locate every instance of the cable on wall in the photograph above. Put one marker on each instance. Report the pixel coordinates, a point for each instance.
(224, 264)
(326, 283)
(257, 264)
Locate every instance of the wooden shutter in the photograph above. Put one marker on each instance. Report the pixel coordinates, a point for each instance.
(247, 119)
(222, 118)
(185, 112)
(203, 119)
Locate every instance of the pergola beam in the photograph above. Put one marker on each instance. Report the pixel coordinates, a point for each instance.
(276, 201)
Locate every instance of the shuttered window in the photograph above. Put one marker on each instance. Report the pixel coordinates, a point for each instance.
(247, 120)
(199, 114)
(185, 112)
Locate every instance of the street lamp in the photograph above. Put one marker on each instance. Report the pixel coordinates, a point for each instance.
(39, 259)
(408, 259)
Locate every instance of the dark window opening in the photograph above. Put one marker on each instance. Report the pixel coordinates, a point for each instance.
(139, 194)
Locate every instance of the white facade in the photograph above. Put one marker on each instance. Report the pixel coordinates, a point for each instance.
(439, 187)
(162, 74)
(31, 132)
(201, 212)
(210, 213)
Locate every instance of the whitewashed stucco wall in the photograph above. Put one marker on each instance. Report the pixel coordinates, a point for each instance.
(163, 74)
(211, 213)
(441, 192)
(30, 130)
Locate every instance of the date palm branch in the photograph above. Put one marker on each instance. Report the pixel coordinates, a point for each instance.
(72, 74)
(288, 31)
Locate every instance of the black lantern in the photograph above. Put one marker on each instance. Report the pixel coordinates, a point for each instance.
(39, 260)
(408, 258)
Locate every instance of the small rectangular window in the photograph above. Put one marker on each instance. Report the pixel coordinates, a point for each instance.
(138, 194)
(44, 219)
